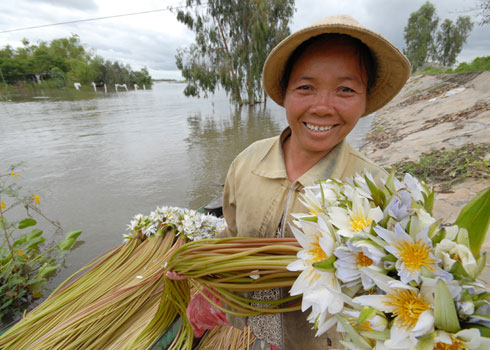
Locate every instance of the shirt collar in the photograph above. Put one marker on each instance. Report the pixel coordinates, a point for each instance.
(272, 165)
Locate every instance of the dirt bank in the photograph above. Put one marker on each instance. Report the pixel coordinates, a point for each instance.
(435, 112)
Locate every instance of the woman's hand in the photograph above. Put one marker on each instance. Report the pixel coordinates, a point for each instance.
(203, 315)
(175, 276)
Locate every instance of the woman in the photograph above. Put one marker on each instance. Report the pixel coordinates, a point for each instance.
(326, 76)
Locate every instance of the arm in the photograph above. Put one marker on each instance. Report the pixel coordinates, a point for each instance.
(229, 203)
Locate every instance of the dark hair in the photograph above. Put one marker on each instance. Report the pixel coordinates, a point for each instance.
(366, 58)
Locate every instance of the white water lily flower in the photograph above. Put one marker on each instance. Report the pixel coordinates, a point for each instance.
(399, 205)
(466, 308)
(450, 252)
(428, 288)
(421, 221)
(466, 339)
(318, 196)
(412, 254)
(413, 315)
(352, 221)
(358, 184)
(375, 323)
(414, 187)
(361, 253)
(318, 244)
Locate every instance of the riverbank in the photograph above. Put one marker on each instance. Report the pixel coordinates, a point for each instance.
(435, 112)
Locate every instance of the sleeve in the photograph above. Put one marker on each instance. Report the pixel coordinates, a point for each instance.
(229, 212)
(229, 203)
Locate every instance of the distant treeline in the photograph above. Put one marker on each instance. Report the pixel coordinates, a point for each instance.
(61, 62)
(477, 65)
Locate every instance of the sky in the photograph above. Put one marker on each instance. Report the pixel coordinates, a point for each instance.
(152, 39)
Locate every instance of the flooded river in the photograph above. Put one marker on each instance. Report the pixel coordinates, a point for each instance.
(98, 159)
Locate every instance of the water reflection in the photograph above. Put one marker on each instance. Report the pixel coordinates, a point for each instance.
(213, 143)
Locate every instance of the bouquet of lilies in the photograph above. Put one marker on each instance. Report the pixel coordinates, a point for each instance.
(380, 269)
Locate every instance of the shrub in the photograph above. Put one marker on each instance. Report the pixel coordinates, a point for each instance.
(27, 261)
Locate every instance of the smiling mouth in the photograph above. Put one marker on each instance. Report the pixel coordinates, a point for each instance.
(319, 128)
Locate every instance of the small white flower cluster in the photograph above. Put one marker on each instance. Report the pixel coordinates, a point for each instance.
(376, 264)
(186, 222)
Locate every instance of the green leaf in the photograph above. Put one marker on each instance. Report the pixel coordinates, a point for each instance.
(378, 335)
(428, 199)
(378, 195)
(445, 315)
(26, 223)
(366, 313)
(426, 342)
(36, 289)
(390, 181)
(34, 243)
(69, 240)
(310, 218)
(482, 262)
(355, 337)
(73, 234)
(458, 270)
(463, 237)
(326, 265)
(476, 219)
(47, 271)
(34, 233)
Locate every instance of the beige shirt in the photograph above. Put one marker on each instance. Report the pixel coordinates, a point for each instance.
(258, 194)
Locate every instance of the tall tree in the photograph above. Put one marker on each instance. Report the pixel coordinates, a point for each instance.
(232, 40)
(485, 11)
(419, 35)
(451, 38)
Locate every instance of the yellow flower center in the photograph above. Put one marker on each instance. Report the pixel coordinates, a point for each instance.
(363, 260)
(408, 307)
(318, 253)
(415, 255)
(456, 345)
(359, 222)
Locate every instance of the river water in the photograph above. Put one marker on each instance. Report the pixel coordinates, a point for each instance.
(98, 159)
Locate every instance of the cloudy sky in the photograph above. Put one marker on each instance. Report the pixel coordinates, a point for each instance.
(152, 39)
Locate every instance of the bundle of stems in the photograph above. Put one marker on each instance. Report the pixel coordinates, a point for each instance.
(227, 337)
(124, 271)
(123, 299)
(238, 264)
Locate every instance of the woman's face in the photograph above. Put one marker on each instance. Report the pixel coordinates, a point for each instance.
(325, 97)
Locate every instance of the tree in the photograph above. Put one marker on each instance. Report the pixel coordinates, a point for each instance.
(485, 11)
(424, 40)
(419, 35)
(451, 38)
(232, 39)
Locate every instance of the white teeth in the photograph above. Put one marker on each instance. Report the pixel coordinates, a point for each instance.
(318, 128)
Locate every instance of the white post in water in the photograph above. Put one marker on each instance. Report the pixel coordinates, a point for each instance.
(95, 87)
(105, 88)
(77, 85)
(144, 87)
(136, 87)
(121, 85)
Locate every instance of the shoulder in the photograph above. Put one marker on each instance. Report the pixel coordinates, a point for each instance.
(256, 151)
(357, 163)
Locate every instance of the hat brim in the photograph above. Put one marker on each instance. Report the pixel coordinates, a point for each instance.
(393, 68)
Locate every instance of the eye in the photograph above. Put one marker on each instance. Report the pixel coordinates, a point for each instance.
(303, 87)
(346, 89)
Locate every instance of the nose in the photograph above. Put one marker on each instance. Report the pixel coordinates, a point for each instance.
(323, 102)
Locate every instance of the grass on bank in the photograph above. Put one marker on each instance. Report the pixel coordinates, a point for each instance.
(445, 168)
(477, 65)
